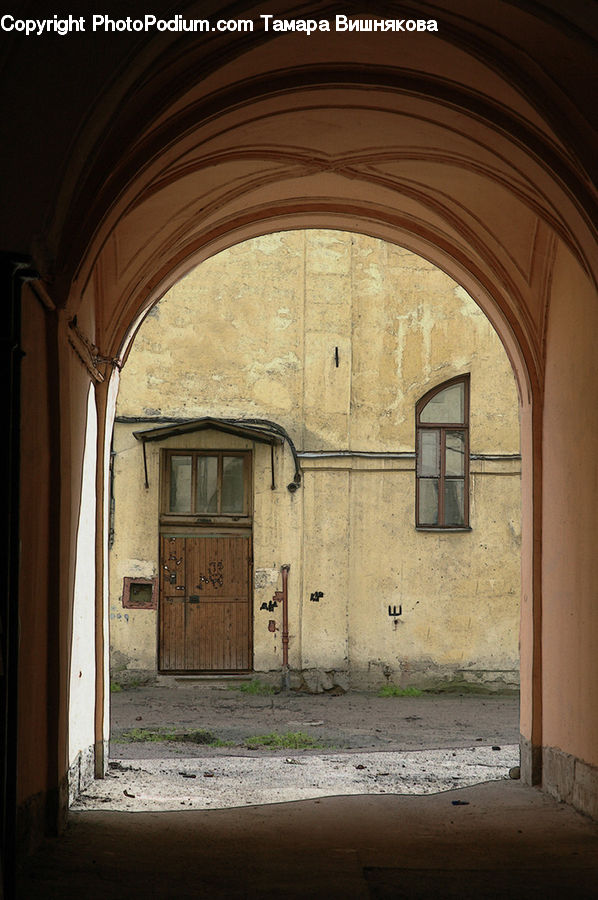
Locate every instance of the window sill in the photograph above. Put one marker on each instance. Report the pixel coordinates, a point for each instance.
(443, 528)
(214, 521)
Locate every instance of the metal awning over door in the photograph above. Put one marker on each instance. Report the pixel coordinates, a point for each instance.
(261, 431)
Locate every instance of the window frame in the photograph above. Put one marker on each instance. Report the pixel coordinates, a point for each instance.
(130, 581)
(442, 428)
(192, 517)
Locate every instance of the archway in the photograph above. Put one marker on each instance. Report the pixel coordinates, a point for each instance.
(484, 172)
(238, 353)
(348, 186)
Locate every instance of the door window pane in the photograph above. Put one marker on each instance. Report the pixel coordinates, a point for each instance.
(445, 406)
(428, 501)
(429, 452)
(455, 453)
(180, 484)
(232, 484)
(453, 502)
(207, 484)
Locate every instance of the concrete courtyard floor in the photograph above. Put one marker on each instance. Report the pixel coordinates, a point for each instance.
(496, 839)
(502, 840)
(340, 721)
(192, 744)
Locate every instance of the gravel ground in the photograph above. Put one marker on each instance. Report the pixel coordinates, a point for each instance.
(218, 782)
(370, 745)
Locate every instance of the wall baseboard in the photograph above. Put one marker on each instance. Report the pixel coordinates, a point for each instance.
(81, 772)
(570, 780)
(531, 762)
(40, 816)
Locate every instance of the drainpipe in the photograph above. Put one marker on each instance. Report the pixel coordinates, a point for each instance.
(283, 597)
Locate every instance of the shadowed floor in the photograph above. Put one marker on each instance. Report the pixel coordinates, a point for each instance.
(502, 840)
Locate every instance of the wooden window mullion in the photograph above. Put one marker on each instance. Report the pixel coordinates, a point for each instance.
(165, 482)
(246, 482)
(441, 479)
(417, 468)
(466, 472)
(219, 483)
(193, 506)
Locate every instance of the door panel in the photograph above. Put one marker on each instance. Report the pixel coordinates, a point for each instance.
(205, 616)
(172, 603)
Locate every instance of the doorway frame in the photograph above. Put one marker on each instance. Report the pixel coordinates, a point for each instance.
(184, 525)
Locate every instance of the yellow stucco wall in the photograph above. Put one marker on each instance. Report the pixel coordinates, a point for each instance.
(251, 333)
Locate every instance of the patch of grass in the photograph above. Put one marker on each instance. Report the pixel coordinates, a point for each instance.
(255, 687)
(467, 687)
(127, 685)
(291, 740)
(393, 690)
(149, 735)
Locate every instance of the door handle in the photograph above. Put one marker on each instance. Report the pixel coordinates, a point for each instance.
(193, 598)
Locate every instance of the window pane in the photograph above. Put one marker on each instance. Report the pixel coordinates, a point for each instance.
(180, 484)
(453, 502)
(141, 594)
(207, 484)
(232, 484)
(429, 453)
(446, 406)
(428, 501)
(455, 453)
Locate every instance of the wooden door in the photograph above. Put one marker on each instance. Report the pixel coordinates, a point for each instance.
(205, 609)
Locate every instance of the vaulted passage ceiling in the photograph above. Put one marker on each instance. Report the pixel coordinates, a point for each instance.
(450, 143)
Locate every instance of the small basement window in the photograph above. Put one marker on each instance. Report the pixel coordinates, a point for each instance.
(140, 593)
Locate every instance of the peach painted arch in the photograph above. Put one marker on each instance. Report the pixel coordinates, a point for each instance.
(435, 150)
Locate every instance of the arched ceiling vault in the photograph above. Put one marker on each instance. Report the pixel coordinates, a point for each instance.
(437, 149)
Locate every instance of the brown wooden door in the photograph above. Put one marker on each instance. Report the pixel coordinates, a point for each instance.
(205, 609)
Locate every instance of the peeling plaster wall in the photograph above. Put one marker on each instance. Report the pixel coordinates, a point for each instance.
(253, 332)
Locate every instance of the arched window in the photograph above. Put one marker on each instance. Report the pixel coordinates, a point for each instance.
(442, 449)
